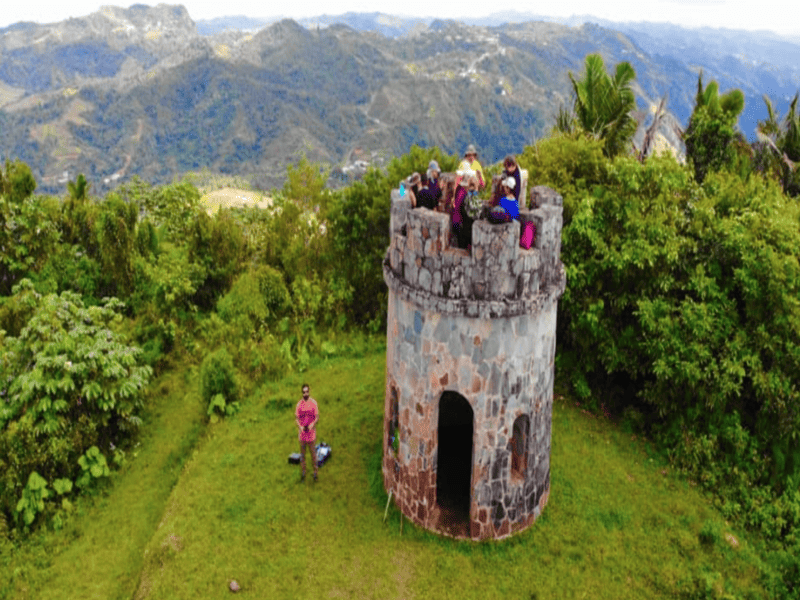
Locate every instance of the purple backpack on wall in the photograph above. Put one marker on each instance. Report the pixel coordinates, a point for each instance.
(528, 235)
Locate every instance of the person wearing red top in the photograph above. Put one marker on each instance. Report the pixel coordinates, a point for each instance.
(306, 416)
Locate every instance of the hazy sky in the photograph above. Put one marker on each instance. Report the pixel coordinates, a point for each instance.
(774, 15)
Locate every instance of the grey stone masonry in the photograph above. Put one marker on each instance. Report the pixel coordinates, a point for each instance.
(476, 328)
(422, 263)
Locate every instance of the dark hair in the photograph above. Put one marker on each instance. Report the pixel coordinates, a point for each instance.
(509, 160)
(305, 385)
(423, 178)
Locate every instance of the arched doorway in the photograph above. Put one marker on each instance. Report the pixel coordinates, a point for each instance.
(454, 463)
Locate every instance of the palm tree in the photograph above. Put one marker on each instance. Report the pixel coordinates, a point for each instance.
(78, 189)
(784, 143)
(603, 103)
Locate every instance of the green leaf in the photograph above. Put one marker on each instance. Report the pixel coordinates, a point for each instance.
(62, 486)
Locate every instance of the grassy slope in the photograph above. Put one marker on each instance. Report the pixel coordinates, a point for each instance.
(615, 526)
(98, 554)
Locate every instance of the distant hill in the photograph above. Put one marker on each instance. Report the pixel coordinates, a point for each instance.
(149, 92)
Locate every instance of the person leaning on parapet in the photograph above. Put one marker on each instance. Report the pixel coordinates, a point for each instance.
(508, 202)
(425, 198)
(412, 185)
(465, 197)
(470, 163)
(511, 169)
(306, 416)
(433, 180)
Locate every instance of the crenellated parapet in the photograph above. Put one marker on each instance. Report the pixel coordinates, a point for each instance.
(496, 277)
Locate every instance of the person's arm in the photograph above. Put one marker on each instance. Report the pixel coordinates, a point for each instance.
(316, 415)
(297, 417)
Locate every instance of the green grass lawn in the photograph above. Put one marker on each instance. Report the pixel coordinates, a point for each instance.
(195, 510)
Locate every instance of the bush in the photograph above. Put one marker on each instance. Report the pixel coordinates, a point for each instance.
(259, 294)
(18, 182)
(710, 533)
(28, 237)
(70, 382)
(681, 312)
(218, 376)
(217, 246)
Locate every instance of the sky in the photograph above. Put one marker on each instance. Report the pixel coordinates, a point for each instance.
(773, 15)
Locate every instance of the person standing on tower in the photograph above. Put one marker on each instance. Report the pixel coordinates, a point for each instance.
(306, 416)
(470, 163)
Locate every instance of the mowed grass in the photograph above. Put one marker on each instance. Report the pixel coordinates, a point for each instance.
(233, 198)
(98, 553)
(618, 524)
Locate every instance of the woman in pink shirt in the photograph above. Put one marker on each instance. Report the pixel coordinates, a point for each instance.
(306, 416)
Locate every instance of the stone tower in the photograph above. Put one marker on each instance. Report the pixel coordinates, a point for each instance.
(469, 369)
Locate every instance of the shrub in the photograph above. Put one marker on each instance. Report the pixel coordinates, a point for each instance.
(33, 496)
(710, 533)
(711, 132)
(70, 382)
(259, 294)
(28, 237)
(94, 466)
(218, 376)
(681, 312)
(217, 246)
(116, 234)
(18, 182)
(219, 407)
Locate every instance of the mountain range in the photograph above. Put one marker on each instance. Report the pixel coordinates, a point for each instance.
(147, 91)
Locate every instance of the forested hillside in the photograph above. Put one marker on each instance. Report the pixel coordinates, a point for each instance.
(139, 91)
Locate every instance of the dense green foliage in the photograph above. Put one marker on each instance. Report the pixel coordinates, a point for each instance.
(217, 376)
(712, 131)
(681, 314)
(69, 381)
(17, 183)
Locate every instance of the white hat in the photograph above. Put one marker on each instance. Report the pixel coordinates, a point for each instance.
(509, 182)
(465, 175)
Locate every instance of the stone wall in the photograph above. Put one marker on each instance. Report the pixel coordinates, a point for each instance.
(496, 268)
(481, 324)
(505, 368)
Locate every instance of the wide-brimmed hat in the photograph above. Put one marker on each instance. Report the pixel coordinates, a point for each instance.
(509, 182)
(470, 150)
(414, 178)
(433, 166)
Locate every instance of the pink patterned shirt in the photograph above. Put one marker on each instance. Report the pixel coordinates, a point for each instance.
(307, 413)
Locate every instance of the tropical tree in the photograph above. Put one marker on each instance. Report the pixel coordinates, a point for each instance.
(711, 136)
(603, 105)
(79, 188)
(783, 146)
(18, 182)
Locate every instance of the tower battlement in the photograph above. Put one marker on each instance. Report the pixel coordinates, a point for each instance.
(495, 278)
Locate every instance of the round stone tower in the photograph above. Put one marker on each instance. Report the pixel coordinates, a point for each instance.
(469, 369)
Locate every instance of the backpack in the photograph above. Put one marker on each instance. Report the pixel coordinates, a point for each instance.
(528, 235)
(323, 453)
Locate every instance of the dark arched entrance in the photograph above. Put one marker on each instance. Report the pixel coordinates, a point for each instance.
(454, 463)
